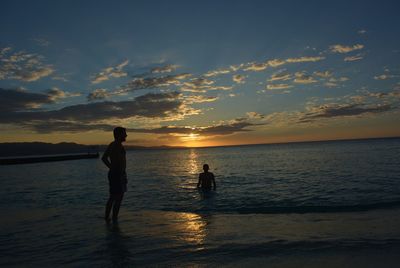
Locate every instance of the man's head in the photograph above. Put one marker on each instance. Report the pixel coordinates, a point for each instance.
(206, 167)
(120, 134)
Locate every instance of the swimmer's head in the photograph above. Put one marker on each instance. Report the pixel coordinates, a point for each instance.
(206, 167)
(120, 133)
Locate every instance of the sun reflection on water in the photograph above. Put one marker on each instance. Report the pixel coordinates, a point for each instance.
(192, 163)
(192, 228)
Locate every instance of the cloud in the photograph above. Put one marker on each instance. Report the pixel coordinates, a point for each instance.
(261, 66)
(331, 84)
(395, 93)
(56, 93)
(201, 85)
(362, 31)
(98, 94)
(256, 66)
(340, 79)
(278, 86)
(325, 74)
(237, 67)
(139, 83)
(225, 129)
(51, 126)
(334, 110)
(275, 62)
(199, 99)
(4, 51)
(384, 76)
(219, 71)
(164, 69)
(198, 82)
(254, 115)
(15, 100)
(384, 95)
(345, 49)
(216, 130)
(155, 82)
(204, 89)
(353, 58)
(197, 85)
(303, 78)
(33, 75)
(22, 66)
(60, 78)
(19, 108)
(110, 72)
(239, 79)
(279, 77)
(304, 59)
(334, 82)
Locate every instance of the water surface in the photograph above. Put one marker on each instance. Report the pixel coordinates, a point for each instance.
(287, 205)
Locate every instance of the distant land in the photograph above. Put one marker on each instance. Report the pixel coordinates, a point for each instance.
(42, 148)
(10, 149)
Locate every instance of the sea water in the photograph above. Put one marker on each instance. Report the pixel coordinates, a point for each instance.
(329, 204)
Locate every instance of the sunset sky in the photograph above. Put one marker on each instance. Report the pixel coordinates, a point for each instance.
(199, 73)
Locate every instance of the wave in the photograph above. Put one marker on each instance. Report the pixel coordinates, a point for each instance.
(295, 209)
(223, 253)
(280, 246)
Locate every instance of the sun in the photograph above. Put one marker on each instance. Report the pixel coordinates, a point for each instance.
(193, 136)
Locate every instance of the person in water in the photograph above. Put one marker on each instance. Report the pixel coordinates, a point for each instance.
(114, 159)
(206, 179)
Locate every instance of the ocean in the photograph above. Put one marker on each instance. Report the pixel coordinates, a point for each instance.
(331, 204)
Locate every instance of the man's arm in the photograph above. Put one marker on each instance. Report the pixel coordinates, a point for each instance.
(105, 157)
(213, 180)
(198, 184)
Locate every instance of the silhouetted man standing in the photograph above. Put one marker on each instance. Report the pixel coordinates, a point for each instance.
(114, 159)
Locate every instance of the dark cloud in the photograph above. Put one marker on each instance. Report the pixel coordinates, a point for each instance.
(226, 129)
(341, 110)
(16, 105)
(164, 130)
(13, 100)
(65, 126)
(222, 129)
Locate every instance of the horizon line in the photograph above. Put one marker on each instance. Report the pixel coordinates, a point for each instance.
(288, 142)
(214, 146)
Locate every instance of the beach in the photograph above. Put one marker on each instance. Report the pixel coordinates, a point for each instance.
(171, 239)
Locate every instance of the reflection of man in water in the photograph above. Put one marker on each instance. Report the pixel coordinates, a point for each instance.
(206, 178)
(114, 159)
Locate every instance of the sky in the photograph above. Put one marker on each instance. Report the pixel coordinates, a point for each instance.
(199, 73)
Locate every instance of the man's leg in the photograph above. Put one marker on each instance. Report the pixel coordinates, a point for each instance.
(117, 204)
(108, 207)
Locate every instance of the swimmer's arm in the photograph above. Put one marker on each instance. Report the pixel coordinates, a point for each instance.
(105, 157)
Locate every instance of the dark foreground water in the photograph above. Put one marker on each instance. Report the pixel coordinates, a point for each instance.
(331, 204)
